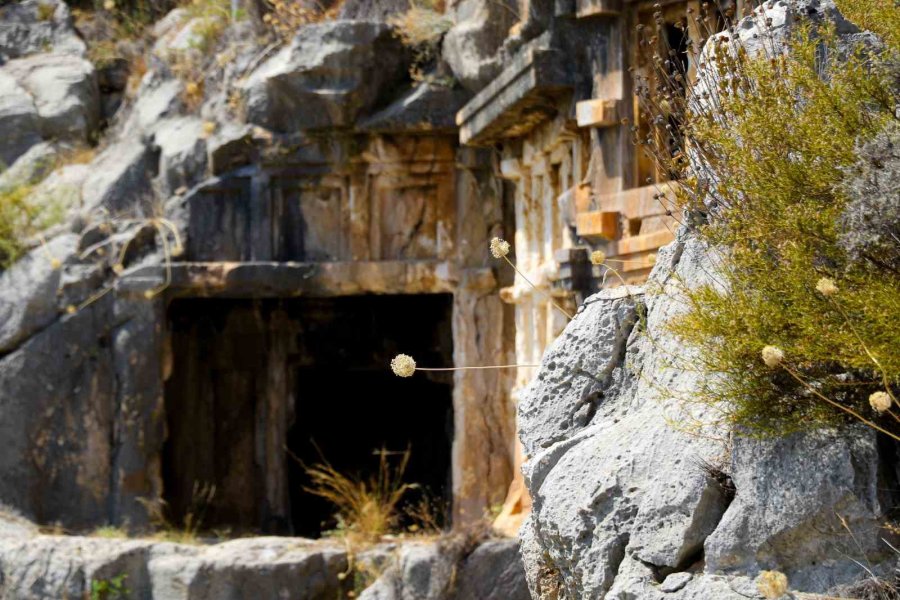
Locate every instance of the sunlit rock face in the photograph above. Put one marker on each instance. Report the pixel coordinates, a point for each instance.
(36, 567)
(625, 504)
(618, 456)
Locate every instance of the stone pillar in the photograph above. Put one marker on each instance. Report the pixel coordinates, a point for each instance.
(484, 417)
(274, 416)
(139, 359)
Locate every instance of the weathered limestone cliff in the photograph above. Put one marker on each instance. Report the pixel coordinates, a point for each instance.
(638, 492)
(634, 498)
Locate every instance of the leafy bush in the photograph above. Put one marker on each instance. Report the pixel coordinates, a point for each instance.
(109, 589)
(765, 149)
(879, 16)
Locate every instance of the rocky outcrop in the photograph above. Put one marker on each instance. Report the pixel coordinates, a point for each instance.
(18, 119)
(639, 492)
(47, 89)
(327, 77)
(632, 484)
(472, 44)
(35, 26)
(45, 567)
(64, 91)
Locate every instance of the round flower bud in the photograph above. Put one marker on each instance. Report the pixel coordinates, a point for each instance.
(772, 584)
(880, 401)
(55, 263)
(826, 287)
(499, 248)
(403, 365)
(598, 257)
(773, 356)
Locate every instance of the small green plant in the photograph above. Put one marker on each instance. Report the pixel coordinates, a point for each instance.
(23, 215)
(109, 589)
(110, 532)
(792, 331)
(213, 17)
(45, 11)
(879, 16)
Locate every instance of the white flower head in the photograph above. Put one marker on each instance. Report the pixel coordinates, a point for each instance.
(772, 584)
(880, 401)
(826, 287)
(403, 365)
(773, 356)
(598, 257)
(499, 248)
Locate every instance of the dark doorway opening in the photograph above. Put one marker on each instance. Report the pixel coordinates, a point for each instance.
(259, 386)
(349, 405)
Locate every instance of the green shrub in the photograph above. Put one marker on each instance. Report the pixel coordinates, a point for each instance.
(109, 589)
(763, 157)
(879, 16)
(16, 217)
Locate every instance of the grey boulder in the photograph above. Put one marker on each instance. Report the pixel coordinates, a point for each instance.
(34, 26)
(28, 291)
(19, 120)
(330, 74)
(65, 94)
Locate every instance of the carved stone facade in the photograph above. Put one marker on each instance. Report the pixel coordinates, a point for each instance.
(562, 113)
(397, 215)
(287, 217)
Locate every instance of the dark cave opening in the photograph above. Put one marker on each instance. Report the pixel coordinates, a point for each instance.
(259, 388)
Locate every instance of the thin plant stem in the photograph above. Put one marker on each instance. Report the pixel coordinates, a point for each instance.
(871, 356)
(471, 368)
(846, 409)
(528, 281)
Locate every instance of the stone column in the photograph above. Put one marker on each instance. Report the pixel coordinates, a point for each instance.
(139, 359)
(484, 416)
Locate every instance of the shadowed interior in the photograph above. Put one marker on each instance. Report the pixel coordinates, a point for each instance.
(260, 386)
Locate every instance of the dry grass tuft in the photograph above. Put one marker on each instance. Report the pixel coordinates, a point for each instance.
(367, 507)
(422, 28)
(285, 17)
(188, 531)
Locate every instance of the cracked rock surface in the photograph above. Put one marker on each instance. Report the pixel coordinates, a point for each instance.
(618, 465)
